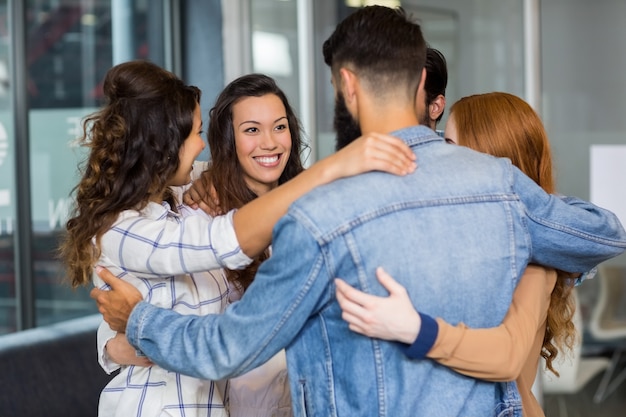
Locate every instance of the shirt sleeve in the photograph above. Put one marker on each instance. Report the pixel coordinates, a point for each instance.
(141, 245)
(499, 353)
(567, 233)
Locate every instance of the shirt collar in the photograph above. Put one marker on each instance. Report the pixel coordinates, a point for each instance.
(416, 135)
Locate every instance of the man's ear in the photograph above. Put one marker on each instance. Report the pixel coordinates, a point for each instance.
(348, 84)
(436, 107)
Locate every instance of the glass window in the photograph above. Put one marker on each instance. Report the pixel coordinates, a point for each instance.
(584, 89)
(275, 44)
(584, 96)
(70, 46)
(7, 276)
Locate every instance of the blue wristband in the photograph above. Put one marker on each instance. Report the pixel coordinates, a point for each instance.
(425, 339)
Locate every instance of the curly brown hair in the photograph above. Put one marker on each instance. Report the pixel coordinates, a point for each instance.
(225, 174)
(134, 143)
(504, 125)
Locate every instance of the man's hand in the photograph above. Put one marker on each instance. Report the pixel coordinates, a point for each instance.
(202, 195)
(116, 304)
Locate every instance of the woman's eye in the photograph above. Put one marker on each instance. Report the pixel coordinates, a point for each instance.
(281, 127)
(251, 130)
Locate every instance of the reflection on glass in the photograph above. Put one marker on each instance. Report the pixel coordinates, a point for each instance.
(70, 46)
(275, 44)
(8, 315)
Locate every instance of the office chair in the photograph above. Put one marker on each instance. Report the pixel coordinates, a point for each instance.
(574, 370)
(607, 325)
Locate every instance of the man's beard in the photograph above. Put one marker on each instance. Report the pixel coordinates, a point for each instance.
(425, 120)
(346, 127)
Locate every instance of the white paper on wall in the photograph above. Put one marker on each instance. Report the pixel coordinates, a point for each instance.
(607, 169)
(5, 198)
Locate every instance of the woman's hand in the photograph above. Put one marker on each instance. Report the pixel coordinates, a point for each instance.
(122, 353)
(389, 318)
(373, 152)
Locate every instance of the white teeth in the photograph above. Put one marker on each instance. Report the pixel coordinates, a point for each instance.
(266, 159)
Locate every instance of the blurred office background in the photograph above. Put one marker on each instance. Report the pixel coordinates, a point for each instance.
(567, 58)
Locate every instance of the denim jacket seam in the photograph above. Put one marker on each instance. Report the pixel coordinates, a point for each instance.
(350, 243)
(344, 228)
(574, 232)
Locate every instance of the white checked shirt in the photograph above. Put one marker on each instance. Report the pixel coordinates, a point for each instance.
(168, 256)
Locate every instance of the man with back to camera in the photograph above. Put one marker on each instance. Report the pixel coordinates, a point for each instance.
(456, 233)
(430, 102)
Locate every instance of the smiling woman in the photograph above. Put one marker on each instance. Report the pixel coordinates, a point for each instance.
(256, 145)
(262, 139)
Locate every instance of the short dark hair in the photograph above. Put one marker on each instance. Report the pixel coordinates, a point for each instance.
(436, 76)
(383, 45)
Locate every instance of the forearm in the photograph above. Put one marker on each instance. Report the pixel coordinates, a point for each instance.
(254, 221)
(175, 342)
(214, 346)
(497, 354)
(104, 335)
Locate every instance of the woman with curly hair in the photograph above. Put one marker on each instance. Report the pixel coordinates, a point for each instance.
(126, 219)
(539, 321)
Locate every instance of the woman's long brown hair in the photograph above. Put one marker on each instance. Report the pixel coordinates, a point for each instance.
(225, 175)
(504, 125)
(134, 143)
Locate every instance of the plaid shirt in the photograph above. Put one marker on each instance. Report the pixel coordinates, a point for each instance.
(166, 256)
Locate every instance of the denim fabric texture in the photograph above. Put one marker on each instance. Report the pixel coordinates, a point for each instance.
(457, 233)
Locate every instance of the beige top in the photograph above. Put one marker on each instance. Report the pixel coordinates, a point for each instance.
(509, 351)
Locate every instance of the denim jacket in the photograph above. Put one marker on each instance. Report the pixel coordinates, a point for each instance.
(457, 233)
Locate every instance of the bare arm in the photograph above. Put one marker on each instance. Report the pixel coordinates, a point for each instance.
(121, 352)
(497, 353)
(368, 153)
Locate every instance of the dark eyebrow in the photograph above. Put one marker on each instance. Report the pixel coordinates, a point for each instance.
(257, 123)
(249, 121)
